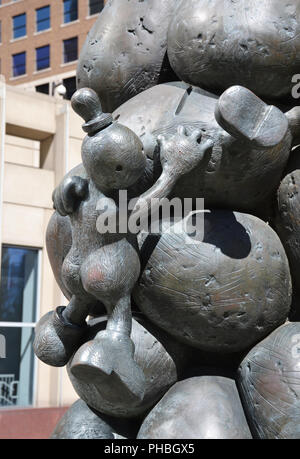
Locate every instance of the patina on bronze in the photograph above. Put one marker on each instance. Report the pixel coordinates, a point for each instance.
(171, 335)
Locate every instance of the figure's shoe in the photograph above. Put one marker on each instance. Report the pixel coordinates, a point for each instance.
(108, 362)
(56, 340)
(246, 117)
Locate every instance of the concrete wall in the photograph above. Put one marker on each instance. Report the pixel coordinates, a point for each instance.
(40, 140)
(22, 151)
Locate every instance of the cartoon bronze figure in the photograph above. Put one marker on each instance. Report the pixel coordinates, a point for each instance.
(98, 267)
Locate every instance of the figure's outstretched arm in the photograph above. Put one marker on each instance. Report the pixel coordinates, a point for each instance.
(179, 154)
(56, 337)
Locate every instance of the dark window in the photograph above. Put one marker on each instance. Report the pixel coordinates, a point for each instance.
(19, 25)
(18, 302)
(43, 88)
(70, 10)
(95, 6)
(43, 57)
(43, 18)
(70, 50)
(70, 85)
(19, 64)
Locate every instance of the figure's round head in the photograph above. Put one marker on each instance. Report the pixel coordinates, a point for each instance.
(112, 154)
(114, 158)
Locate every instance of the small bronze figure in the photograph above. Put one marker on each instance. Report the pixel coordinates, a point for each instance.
(98, 267)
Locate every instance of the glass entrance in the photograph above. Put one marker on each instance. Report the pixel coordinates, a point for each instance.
(18, 310)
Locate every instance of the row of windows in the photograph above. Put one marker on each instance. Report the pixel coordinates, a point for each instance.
(69, 85)
(43, 16)
(70, 54)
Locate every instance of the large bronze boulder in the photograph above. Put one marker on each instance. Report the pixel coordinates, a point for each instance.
(255, 44)
(287, 220)
(223, 292)
(206, 407)
(269, 382)
(126, 50)
(58, 243)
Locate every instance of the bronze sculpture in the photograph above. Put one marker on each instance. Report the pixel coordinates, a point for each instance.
(161, 359)
(236, 43)
(238, 173)
(286, 216)
(126, 50)
(160, 326)
(207, 407)
(81, 423)
(230, 290)
(109, 283)
(269, 382)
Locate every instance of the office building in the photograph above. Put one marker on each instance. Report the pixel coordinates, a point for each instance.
(41, 40)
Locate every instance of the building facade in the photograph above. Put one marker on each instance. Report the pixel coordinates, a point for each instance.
(40, 41)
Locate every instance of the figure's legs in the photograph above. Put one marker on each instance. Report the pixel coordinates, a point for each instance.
(110, 274)
(60, 333)
(120, 319)
(76, 312)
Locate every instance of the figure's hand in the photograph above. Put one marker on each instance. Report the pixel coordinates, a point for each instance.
(68, 195)
(181, 153)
